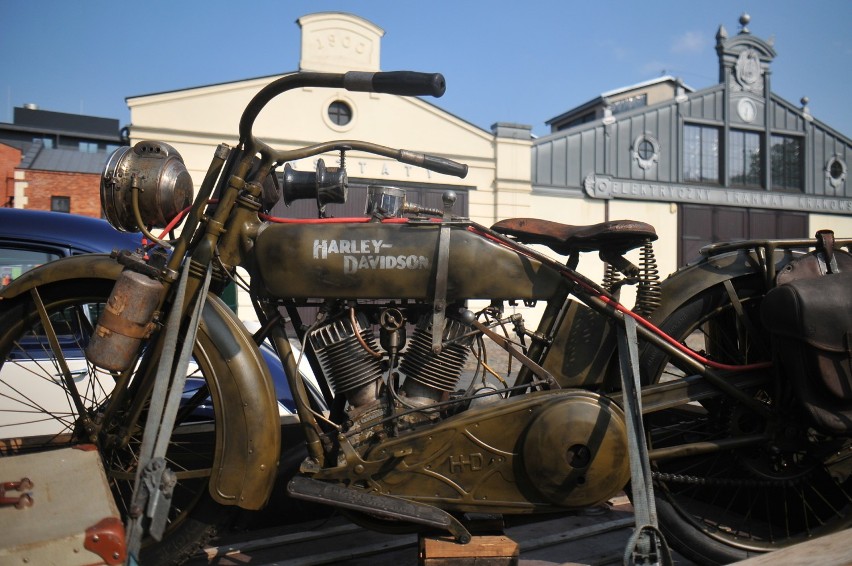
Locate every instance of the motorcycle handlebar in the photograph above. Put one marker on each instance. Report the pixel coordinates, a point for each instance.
(433, 163)
(403, 83)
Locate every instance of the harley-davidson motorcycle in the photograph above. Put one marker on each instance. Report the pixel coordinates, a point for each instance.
(729, 381)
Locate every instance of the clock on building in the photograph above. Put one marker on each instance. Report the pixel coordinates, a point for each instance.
(746, 110)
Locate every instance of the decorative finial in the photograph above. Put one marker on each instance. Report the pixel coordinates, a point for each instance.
(806, 112)
(722, 34)
(744, 20)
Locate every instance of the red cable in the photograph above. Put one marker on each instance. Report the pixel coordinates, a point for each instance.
(640, 320)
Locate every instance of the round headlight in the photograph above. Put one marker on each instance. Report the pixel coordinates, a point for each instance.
(157, 171)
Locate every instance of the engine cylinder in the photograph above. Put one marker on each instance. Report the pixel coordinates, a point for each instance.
(350, 369)
(439, 372)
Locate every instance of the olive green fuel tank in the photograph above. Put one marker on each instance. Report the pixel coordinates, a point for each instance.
(392, 260)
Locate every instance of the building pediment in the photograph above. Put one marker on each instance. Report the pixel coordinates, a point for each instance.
(338, 42)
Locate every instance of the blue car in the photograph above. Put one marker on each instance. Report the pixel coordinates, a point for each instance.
(36, 407)
(29, 238)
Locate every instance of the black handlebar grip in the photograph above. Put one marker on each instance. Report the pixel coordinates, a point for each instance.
(436, 164)
(446, 166)
(403, 83)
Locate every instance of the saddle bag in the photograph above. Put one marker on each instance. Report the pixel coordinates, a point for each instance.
(810, 321)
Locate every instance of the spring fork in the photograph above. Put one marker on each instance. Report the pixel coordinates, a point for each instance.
(155, 481)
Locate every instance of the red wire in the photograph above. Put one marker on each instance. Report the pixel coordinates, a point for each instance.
(178, 217)
(354, 220)
(691, 353)
(640, 320)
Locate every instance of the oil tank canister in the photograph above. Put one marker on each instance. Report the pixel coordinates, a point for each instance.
(125, 321)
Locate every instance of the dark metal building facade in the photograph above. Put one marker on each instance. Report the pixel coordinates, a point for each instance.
(738, 160)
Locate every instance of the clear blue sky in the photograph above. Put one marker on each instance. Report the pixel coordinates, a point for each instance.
(506, 61)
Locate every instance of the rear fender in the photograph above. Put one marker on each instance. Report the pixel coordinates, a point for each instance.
(248, 437)
(689, 281)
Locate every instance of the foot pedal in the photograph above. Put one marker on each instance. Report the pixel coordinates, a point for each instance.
(386, 506)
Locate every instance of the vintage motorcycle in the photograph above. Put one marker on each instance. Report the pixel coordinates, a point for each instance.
(743, 357)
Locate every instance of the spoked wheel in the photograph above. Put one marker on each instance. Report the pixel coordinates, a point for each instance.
(43, 406)
(727, 504)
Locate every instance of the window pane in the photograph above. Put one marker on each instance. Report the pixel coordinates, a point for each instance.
(710, 154)
(646, 150)
(14, 262)
(60, 204)
(700, 154)
(691, 153)
(629, 103)
(744, 161)
(339, 113)
(786, 159)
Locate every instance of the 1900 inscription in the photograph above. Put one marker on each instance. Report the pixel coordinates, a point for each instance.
(340, 41)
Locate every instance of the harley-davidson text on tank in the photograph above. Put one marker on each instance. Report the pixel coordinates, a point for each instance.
(367, 254)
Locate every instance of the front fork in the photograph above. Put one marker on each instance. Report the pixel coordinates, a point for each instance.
(144, 288)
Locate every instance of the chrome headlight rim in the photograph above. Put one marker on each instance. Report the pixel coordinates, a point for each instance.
(157, 171)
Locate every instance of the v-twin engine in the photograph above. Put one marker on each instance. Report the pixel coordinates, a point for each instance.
(411, 376)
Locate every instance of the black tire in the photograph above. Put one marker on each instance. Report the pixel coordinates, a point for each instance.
(38, 413)
(728, 505)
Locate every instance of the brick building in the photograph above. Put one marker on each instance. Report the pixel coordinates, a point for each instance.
(10, 158)
(53, 160)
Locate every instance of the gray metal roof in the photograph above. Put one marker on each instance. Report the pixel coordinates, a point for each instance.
(68, 161)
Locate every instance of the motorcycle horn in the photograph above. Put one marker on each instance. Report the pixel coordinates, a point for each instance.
(154, 169)
(326, 185)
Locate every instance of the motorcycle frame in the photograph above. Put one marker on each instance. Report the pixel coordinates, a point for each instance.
(223, 233)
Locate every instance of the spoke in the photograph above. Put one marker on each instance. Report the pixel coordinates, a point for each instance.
(57, 350)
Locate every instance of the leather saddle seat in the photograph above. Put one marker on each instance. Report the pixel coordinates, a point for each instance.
(617, 236)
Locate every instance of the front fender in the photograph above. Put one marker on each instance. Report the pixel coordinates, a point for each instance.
(86, 266)
(248, 426)
(248, 431)
(691, 280)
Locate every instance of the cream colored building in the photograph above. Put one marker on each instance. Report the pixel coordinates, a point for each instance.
(195, 120)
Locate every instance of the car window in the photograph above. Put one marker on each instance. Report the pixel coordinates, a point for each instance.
(16, 261)
(73, 327)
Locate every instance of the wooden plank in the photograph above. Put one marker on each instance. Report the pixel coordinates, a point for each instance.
(591, 537)
(261, 543)
(486, 550)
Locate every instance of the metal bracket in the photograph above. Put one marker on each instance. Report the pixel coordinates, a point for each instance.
(647, 545)
(155, 482)
(158, 484)
(106, 539)
(439, 316)
(21, 501)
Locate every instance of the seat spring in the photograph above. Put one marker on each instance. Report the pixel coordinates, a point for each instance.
(648, 294)
(611, 277)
